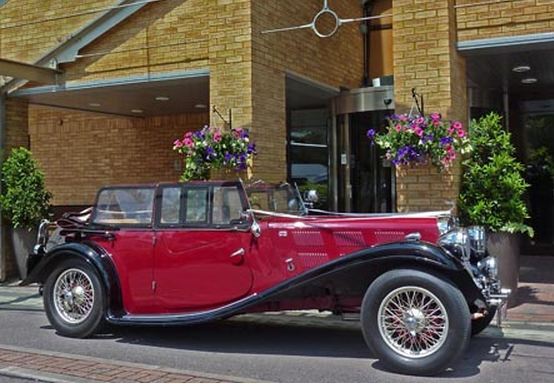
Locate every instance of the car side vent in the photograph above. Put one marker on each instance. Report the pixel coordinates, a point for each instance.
(308, 238)
(349, 239)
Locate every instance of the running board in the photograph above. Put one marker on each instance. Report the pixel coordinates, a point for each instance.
(184, 318)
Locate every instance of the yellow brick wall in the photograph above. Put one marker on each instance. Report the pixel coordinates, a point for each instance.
(425, 58)
(335, 61)
(80, 151)
(29, 28)
(503, 19)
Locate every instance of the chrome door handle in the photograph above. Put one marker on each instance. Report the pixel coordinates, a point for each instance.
(238, 252)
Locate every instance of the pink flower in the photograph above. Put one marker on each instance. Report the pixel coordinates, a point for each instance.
(461, 133)
(188, 142)
(435, 116)
(177, 144)
(403, 117)
(398, 127)
(420, 120)
(217, 136)
(457, 125)
(418, 131)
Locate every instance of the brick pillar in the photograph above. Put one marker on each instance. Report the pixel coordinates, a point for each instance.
(15, 133)
(230, 61)
(425, 58)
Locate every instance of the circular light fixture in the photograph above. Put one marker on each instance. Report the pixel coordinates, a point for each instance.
(162, 98)
(521, 68)
(201, 106)
(529, 80)
(137, 110)
(94, 104)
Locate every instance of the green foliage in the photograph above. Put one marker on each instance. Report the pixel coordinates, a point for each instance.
(24, 199)
(492, 183)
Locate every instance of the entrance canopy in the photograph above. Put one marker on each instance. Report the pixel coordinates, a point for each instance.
(164, 94)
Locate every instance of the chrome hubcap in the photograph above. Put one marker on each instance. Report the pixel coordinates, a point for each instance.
(413, 322)
(73, 296)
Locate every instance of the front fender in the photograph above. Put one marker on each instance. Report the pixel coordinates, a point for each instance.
(91, 253)
(352, 274)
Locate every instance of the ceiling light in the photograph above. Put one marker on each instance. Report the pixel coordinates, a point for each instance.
(94, 104)
(521, 68)
(529, 80)
(201, 106)
(162, 98)
(137, 110)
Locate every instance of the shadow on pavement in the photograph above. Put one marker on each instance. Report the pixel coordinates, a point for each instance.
(293, 340)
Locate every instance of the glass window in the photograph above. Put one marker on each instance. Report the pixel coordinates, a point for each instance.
(126, 206)
(227, 206)
(308, 152)
(171, 205)
(196, 206)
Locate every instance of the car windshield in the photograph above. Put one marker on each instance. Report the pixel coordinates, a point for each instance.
(279, 198)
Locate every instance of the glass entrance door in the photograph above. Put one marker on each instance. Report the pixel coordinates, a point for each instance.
(366, 181)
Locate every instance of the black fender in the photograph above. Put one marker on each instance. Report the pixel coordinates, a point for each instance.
(356, 271)
(91, 253)
(343, 270)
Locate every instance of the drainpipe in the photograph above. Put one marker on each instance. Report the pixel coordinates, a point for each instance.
(2, 149)
(365, 27)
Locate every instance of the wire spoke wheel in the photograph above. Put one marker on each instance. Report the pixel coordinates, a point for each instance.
(413, 322)
(73, 296)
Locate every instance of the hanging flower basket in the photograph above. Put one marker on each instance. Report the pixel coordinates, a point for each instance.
(416, 140)
(212, 148)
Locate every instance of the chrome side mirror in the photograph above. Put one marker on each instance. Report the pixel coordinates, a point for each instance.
(255, 229)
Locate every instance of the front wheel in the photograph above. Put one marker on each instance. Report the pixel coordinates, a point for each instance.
(74, 299)
(415, 322)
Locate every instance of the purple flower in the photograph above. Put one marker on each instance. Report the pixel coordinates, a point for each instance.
(371, 134)
(446, 140)
(251, 149)
(209, 153)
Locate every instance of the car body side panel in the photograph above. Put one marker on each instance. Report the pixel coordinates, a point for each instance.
(291, 246)
(419, 255)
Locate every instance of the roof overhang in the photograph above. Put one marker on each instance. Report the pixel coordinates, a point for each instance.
(68, 51)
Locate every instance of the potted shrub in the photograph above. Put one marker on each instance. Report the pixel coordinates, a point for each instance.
(492, 192)
(24, 202)
(210, 149)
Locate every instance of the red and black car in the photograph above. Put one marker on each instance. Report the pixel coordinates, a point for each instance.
(177, 254)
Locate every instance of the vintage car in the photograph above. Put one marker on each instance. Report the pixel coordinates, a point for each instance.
(187, 253)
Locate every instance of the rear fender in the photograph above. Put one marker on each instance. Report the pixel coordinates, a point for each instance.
(91, 253)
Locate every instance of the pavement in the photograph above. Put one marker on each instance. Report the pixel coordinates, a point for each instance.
(525, 344)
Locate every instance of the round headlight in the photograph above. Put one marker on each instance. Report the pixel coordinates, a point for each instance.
(457, 242)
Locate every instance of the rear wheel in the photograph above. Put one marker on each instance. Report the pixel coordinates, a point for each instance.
(415, 322)
(74, 299)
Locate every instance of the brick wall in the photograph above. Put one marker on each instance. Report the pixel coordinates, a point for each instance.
(80, 152)
(425, 58)
(336, 61)
(503, 19)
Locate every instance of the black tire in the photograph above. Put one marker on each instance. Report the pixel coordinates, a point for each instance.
(479, 325)
(456, 321)
(89, 324)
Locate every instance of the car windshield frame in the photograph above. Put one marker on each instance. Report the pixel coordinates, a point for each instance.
(271, 204)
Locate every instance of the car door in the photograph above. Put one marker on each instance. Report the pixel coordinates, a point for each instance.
(201, 251)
